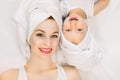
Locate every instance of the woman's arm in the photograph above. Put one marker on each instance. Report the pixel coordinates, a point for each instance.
(100, 5)
(72, 73)
(9, 75)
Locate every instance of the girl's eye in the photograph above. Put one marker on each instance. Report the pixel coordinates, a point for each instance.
(39, 35)
(67, 29)
(79, 29)
(54, 36)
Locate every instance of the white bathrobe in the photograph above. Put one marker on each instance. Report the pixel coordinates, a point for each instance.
(106, 32)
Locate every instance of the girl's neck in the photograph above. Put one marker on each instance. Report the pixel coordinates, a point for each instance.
(37, 64)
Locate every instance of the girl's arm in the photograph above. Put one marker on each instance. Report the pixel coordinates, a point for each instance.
(100, 5)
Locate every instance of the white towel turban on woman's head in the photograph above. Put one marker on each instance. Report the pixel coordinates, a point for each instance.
(30, 14)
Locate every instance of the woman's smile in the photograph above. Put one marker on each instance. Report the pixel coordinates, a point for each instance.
(45, 50)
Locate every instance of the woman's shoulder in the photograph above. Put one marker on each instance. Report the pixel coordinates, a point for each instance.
(11, 74)
(72, 73)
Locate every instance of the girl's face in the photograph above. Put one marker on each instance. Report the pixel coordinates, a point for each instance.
(44, 39)
(74, 29)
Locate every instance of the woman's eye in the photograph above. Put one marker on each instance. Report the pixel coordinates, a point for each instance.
(40, 35)
(79, 29)
(54, 36)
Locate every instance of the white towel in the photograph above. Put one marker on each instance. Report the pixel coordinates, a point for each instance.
(83, 56)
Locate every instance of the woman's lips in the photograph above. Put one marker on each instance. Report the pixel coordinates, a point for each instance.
(46, 50)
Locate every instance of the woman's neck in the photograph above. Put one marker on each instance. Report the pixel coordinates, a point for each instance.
(37, 64)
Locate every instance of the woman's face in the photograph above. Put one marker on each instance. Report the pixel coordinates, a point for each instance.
(44, 39)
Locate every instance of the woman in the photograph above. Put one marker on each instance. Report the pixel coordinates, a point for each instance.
(43, 39)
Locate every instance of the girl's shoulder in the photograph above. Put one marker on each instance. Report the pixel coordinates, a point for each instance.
(11, 74)
(72, 73)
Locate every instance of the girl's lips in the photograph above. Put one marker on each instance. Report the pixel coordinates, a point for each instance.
(46, 50)
(73, 18)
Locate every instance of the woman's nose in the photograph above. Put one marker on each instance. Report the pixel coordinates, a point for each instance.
(47, 42)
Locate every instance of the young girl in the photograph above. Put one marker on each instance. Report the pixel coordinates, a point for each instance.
(42, 36)
(77, 45)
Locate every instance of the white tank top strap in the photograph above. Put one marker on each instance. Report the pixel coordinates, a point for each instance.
(22, 74)
(61, 73)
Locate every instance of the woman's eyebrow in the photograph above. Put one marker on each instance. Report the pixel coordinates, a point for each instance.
(40, 30)
(56, 32)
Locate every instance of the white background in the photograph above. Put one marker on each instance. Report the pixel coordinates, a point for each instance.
(105, 28)
(9, 49)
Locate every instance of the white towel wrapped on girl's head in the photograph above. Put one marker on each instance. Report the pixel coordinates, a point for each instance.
(86, 5)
